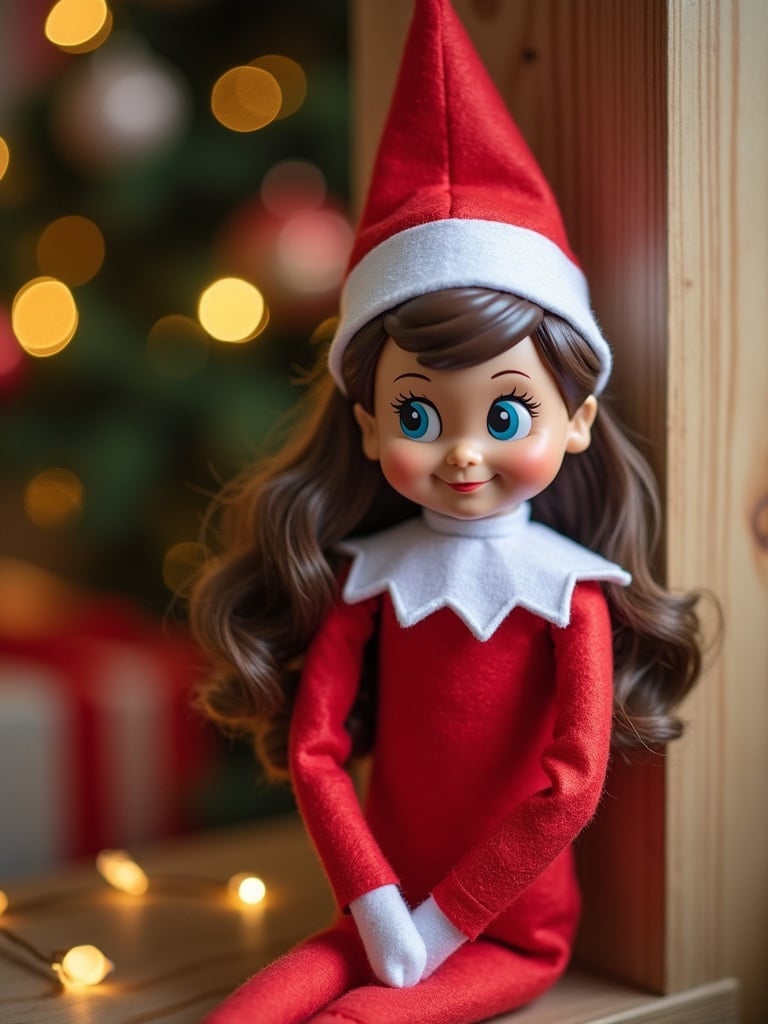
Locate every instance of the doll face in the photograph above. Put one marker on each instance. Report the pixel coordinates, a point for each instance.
(473, 442)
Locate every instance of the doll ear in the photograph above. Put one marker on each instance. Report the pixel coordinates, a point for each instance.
(579, 433)
(369, 430)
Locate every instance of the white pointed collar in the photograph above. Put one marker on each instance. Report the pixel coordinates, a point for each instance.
(481, 568)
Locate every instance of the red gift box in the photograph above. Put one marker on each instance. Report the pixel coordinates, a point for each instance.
(99, 746)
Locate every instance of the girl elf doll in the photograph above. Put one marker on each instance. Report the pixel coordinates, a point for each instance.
(448, 521)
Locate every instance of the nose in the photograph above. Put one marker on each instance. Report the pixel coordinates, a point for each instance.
(464, 454)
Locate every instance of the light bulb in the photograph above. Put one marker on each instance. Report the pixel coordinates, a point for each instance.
(247, 888)
(82, 966)
(122, 872)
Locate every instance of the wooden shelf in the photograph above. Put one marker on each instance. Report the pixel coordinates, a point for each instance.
(179, 950)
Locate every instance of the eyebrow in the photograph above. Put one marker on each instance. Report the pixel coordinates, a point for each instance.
(518, 373)
(421, 376)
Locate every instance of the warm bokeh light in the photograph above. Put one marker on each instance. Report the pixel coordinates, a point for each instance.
(246, 98)
(247, 888)
(53, 497)
(5, 157)
(44, 316)
(290, 77)
(181, 564)
(71, 249)
(3, 902)
(177, 346)
(232, 310)
(123, 105)
(292, 185)
(83, 966)
(312, 250)
(77, 24)
(122, 872)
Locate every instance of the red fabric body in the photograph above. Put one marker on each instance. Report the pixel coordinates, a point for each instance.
(450, 147)
(490, 758)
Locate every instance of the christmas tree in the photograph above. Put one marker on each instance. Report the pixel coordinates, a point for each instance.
(172, 199)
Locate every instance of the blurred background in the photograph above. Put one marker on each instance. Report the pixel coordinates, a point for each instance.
(174, 228)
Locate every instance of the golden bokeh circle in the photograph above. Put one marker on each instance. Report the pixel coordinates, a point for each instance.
(71, 249)
(246, 98)
(232, 310)
(72, 24)
(44, 316)
(290, 76)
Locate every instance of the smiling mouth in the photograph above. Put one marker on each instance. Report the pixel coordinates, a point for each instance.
(467, 488)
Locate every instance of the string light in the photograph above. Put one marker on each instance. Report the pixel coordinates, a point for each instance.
(86, 965)
(122, 872)
(78, 967)
(249, 889)
(82, 966)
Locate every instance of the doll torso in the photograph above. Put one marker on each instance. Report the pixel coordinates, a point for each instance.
(460, 729)
(491, 741)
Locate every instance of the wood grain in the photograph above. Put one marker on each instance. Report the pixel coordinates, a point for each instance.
(718, 478)
(178, 952)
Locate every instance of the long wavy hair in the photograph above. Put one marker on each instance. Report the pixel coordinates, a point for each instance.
(256, 607)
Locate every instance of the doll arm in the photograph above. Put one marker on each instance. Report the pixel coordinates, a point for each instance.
(493, 873)
(359, 873)
(319, 747)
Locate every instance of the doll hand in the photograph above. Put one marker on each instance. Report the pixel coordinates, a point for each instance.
(440, 936)
(395, 950)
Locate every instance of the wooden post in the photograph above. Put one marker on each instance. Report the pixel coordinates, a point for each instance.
(650, 121)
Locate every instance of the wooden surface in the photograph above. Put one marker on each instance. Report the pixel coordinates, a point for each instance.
(178, 952)
(717, 522)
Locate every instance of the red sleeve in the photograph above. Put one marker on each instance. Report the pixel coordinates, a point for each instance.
(491, 875)
(320, 746)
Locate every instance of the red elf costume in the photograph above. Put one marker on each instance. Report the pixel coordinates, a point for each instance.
(495, 669)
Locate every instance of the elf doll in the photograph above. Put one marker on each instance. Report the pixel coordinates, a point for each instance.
(453, 537)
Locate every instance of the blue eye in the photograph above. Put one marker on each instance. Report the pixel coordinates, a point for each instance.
(508, 420)
(419, 419)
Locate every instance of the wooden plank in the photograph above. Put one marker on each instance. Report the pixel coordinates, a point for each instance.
(179, 951)
(717, 532)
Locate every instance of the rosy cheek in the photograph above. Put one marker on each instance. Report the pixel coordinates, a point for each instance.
(536, 466)
(404, 464)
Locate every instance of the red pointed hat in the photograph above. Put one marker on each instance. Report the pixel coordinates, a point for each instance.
(456, 198)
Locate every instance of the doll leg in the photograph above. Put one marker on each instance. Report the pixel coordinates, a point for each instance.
(482, 979)
(298, 985)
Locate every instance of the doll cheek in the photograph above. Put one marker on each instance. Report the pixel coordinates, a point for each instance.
(537, 467)
(404, 464)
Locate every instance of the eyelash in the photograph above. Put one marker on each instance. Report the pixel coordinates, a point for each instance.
(524, 399)
(403, 400)
(514, 395)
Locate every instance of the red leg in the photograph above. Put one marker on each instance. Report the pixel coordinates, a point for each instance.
(481, 980)
(298, 985)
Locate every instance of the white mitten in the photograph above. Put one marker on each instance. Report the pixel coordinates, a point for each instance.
(440, 936)
(395, 949)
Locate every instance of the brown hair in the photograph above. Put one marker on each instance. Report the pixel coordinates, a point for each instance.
(257, 607)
